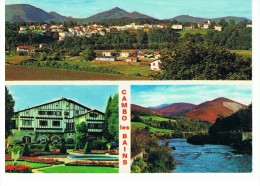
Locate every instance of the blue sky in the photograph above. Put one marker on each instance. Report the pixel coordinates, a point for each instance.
(153, 95)
(94, 97)
(160, 9)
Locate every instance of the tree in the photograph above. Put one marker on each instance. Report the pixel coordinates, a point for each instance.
(107, 115)
(87, 148)
(140, 36)
(81, 134)
(26, 150)
(47, 148)
(190, 61)
(63, 148)
(112, 119)
(9, 112)
(89, 53)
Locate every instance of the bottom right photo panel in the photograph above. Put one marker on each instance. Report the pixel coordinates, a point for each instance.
(191, 128)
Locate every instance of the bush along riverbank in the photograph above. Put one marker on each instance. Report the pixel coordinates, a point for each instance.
(235, 130)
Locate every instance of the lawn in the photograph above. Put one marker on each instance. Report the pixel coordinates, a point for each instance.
(80, 169)
(152, 129)
(16, 59)
(194, 31)
(33, 165)
(155, 118)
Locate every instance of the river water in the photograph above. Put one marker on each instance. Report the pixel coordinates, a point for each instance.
(208, 158)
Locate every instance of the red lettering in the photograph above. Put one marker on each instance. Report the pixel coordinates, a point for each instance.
(124, 105)
(124, 118)
(124, 162)
(124, 98)
(124, 136)
(124, 92)
(124, 155)
(124, 142)
(124, 111)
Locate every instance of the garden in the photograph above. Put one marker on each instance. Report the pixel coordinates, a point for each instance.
(97, 156)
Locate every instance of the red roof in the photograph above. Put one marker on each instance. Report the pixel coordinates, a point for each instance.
(128, 51)
(27, 47)
(132, 58)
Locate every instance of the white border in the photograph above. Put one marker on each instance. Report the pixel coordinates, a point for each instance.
(144, 179)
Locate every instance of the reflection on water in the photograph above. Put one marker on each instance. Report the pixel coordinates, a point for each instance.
(209, 158)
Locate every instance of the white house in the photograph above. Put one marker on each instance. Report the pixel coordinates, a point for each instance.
(177, 27)
(218, 28)
(106, 58)
(54, 121)
(155, 65)
(27, 49)
(131, 59)
(107, 52)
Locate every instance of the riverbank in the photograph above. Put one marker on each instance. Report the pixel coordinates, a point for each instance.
(244, 146)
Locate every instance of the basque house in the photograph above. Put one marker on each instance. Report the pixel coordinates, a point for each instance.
(54, 121)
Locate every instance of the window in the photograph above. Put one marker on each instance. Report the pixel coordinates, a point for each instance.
(55, 123)
(50, 113)
(93, 115)
(77, 112)
(66, 113)
(58, 113)
(27, 123)
(43, 123)
(41, 112)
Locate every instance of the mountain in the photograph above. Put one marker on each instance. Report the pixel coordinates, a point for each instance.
(115, 13)
(56, 15)
(25, 13)
(211, 110)
(158, 106)
(175, 109)
(143, 111)
(29, 13)
(188, 18)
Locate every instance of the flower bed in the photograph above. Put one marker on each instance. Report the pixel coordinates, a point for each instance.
(36, 160)
(17, 169)
(94, 163)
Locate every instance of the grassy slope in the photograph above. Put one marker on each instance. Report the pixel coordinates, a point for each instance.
(154, 118)
(33, 165)
(194, 31)
(152, 129)
(80, 169)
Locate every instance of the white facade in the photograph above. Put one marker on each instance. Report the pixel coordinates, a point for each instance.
(53, 120)
(155, 65)
(177, 27)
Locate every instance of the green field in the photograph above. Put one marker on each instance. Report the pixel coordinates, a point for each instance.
(152, 129)
(80, 169)
(155, 118)
(134, 68)
(243, 52)
(32, 165)
(194, 31)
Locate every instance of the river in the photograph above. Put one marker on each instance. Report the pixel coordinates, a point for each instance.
(208, 158)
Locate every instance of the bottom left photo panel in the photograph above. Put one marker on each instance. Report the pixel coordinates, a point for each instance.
(61, 129)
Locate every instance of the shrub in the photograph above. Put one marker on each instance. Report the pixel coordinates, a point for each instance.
(63, 149)
(87, 148)
(26, 150)
(47, 148)
(70, 146)
(69, 141)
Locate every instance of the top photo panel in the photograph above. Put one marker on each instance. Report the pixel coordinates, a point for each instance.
(128, 40)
